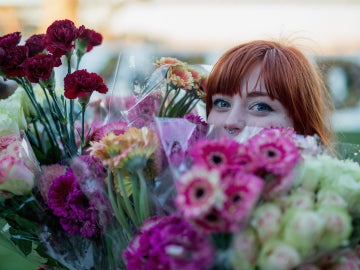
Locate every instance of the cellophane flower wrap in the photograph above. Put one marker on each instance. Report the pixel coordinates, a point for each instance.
(138, 180)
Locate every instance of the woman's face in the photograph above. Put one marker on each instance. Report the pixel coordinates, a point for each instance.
(254, 108)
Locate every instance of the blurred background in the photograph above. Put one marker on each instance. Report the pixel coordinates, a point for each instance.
(136, 32)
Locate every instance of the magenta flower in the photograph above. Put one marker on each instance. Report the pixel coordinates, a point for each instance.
(77, 215)
(60, 37)
(116, 127)
(242, 192)
(220, 154)
(168, 243)
(144, 110)
(198, 191)
(201, 129)
(244, 160)
(275, 151)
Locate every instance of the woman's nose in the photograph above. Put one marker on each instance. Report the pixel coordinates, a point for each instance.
(235, 122)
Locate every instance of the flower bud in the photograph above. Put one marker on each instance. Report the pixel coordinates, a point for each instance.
(328, 197)
(337, 227)
(300, 199)
(303, 229)
(267, 221)
(245, 248)
(277, 255)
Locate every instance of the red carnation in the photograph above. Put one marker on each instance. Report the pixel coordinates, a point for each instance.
(81, 83)
(36, 44)
(89, 38)
(11, 63)
(40, 67)
(60, 37)
(10, 40)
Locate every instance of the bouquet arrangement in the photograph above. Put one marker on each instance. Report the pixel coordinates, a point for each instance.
(149, 186)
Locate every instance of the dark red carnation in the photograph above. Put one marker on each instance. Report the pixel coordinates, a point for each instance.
(88, 38)
(60, 37)
(10, 40)
(36, 44)
(11, 63)
(81, 83)
(40, 67)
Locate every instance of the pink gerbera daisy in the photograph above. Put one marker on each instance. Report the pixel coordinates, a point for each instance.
(242, 192)
(220, 154)
(198, 191)
(275, 151)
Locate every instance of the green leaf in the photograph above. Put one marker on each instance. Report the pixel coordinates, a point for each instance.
(24, 245)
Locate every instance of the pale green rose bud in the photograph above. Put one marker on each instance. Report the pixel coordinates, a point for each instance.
(327, 197)
(8, 126)
(300, 199)
(245, 248)
(267, 221)
(28, 108)
(348, 187)
(302, 229)
(13, 108)
(337, 227)
(15, 177)
(307, 174)
(277, 255)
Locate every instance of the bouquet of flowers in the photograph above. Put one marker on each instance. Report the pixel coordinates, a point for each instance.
(129, 191)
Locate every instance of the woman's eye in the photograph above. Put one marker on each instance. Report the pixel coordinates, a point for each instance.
(261, 107)
(220, 103)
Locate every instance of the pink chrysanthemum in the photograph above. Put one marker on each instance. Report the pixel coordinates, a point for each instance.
(116, 127)
(198, 190)
(220, 154)
(275, 151)
(168, 243)
(242, 192)
(201, 128)
(144, 110)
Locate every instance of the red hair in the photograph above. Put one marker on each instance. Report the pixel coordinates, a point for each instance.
(288, 76)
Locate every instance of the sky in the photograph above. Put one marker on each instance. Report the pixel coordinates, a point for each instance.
(325, 28)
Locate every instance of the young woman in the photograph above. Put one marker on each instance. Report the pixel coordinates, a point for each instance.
(267, 84)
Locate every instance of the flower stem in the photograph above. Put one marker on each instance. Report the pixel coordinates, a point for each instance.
(118, 211)
(83, 108)
(145, 205)
(128, 207)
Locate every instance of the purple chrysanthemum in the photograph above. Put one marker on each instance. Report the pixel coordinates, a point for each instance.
(76, 213)
(168, 243)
